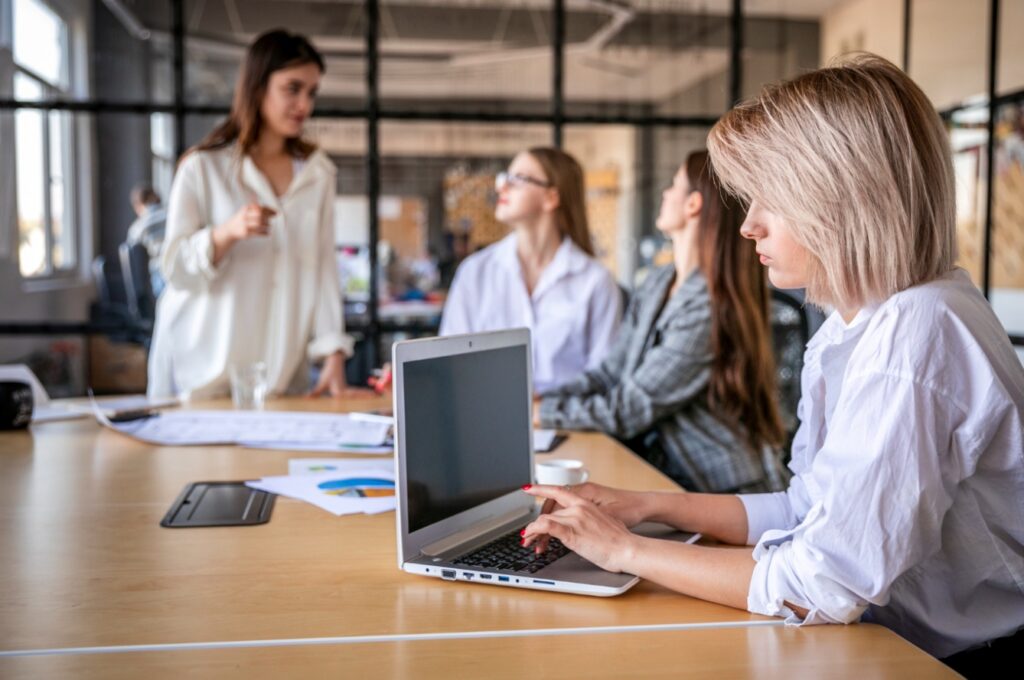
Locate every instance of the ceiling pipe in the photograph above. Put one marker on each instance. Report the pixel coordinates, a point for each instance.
(128, 19)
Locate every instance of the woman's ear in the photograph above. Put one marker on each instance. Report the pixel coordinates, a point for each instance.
(694, 204)
(551, 200)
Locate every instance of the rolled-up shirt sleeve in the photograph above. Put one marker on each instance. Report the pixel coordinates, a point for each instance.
(887, 471)
(187, 260)
(767, 511)
(785, 509)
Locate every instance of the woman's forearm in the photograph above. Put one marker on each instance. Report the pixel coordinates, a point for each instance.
(716, 574)
(222, 240)
(722, 517)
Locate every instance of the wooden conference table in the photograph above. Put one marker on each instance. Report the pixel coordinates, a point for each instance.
(87, 574)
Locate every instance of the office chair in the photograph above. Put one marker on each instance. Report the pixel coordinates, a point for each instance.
(137, 285)
(790, 333)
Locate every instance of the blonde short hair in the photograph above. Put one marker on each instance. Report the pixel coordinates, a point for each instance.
(856, 160)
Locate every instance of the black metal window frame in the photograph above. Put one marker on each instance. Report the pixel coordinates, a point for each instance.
(373, 113)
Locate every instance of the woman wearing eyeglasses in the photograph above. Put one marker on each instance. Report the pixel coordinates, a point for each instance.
(543, 275)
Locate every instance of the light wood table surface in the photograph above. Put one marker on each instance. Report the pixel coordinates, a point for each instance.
(84, 563)
(861, 652)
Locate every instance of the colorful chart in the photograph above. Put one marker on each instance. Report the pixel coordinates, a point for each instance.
(358, 487)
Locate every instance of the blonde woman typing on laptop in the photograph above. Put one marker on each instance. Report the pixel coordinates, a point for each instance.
(249, 251)
(905, 505)
(690, 381)
(543, 275)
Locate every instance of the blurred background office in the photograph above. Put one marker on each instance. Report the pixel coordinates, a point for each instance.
(422, 104)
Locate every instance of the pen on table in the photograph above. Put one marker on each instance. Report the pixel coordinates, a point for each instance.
(129, 416)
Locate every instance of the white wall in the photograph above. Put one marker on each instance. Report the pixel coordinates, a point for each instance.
(1011, 47)
(863, 25)
(948, 42)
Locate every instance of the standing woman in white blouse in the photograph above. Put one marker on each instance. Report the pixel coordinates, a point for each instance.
(543, 275)
(249, 252)
(906, 507)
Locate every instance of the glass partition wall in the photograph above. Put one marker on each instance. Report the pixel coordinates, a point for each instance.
(425, 101)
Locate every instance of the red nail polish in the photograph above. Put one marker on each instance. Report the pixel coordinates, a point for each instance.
(526, 486)
(523, 532)
(523, 542)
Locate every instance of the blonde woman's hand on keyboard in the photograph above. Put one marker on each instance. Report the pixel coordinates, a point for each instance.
(582, 526)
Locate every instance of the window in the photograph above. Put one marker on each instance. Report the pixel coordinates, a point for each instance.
(161, 142)
(44, 142)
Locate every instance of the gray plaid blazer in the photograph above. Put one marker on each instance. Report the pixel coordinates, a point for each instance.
(655, 379)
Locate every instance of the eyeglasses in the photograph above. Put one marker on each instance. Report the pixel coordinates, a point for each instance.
(509, 179)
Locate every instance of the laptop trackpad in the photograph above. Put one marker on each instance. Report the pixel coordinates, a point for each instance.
(664, 532)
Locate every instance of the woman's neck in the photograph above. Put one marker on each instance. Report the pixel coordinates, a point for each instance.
(684, 254)
(269, 145)
(848, 314)
(536, 245)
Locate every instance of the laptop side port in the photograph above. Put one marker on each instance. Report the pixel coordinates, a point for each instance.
(486, 577)
(503, 579)
(448, 574)
(543, 583)
(468, 576)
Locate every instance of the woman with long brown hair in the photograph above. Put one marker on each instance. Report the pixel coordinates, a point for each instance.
(249, 253)
(543, 275)
(689, 382)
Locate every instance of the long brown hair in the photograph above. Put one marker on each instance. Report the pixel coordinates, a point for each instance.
(742, 386)
(272, 51)
(566, 176)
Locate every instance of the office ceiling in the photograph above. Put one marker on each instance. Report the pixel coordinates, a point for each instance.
(638, 50)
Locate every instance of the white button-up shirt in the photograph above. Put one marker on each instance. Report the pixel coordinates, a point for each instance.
(907, 504)
(572, 315)
(275, 299)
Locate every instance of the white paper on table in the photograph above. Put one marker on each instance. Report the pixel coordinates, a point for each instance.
(543, 439)
(132, 402)
(281, 429)
(316, 466)
(322, 490)
(43, 409)
(52, 411)
(324, 447)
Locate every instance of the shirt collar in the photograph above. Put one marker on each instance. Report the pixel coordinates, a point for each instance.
(315, 165)
(835, 330)
(569, 259)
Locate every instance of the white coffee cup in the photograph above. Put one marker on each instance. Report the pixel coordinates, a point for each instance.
(561, 471)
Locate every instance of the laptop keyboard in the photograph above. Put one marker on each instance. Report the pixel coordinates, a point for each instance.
(508, 554)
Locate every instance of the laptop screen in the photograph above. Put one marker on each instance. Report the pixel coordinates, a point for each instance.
(467, 431)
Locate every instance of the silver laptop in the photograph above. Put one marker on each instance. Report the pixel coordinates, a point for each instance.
(464, 451)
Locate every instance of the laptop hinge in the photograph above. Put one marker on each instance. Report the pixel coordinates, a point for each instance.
(478, 529)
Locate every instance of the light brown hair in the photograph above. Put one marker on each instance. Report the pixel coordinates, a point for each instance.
(857, 162)
(270, 52)
(742, 385)
(565, 175)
